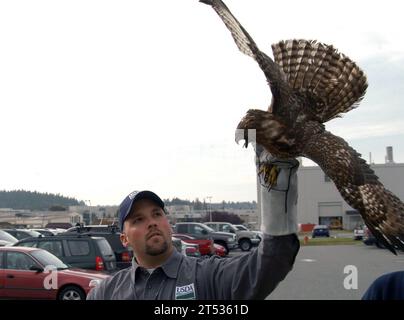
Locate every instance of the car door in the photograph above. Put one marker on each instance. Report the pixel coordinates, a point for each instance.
(19, 281)
(2, 277)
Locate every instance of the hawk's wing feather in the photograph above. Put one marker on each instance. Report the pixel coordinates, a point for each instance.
(380, 209)
(333, 83)
(274, 75)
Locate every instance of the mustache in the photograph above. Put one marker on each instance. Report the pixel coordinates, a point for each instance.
(154, 233)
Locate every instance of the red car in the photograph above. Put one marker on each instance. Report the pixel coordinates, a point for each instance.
(220, 250)
(205, 245)
(32, 273)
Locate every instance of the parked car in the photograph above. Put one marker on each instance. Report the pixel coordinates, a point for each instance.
(369, 239)
(219, 250)
(243, 227)
(202, 231)
(245, 239)
(191, 249)
(111, 233)
(23, 275)
(79, 251)
(6, 239)
(320, 231)
(358, 233)
(22, 233)
(205, 245)
(47, 232)
(187, 249)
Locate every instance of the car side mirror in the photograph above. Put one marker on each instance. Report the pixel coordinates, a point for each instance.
(204, 232)
(35, 268)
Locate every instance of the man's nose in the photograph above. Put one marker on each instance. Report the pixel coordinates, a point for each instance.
(152, 222)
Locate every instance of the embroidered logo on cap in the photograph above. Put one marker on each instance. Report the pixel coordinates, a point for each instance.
(133, 194)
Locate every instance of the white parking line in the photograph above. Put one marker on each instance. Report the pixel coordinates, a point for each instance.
(308, 260)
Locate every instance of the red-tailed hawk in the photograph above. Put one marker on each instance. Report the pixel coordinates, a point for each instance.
(312, 83)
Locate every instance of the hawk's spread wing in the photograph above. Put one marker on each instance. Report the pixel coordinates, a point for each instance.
(329, 80)
(381, 210)
(275, 76)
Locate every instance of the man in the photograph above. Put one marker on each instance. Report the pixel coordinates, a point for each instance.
(389, 286)
(160, 272)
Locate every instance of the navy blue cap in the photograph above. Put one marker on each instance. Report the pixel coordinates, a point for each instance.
(127, 204)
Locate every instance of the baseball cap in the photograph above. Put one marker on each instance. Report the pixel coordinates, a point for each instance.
(127, 204)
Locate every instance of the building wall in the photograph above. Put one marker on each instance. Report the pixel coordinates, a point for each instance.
(320, 198)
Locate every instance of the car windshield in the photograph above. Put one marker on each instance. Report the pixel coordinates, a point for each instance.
(105, 248)
(48, 259)
(241, 228)
(7, 237)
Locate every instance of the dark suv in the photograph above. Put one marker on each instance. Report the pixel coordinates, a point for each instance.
(79, 251)
(202, 231)
(111, 233)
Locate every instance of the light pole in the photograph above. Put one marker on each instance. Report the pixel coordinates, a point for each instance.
(209, 208)
(90, 214)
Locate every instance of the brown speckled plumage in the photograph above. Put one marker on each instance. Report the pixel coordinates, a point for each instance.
(312, 83)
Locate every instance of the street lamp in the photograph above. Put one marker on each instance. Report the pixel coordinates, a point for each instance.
(91, 215)
(209, 208)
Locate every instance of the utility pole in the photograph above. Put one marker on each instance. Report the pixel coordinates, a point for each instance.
(90, 213)
(210, 208)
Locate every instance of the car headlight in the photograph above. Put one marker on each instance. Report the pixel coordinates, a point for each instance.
(230, 239)
(94, 283)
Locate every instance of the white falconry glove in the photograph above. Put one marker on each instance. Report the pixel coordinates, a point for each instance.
(278, 190)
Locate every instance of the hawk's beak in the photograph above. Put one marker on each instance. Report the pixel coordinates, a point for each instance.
(242, 134)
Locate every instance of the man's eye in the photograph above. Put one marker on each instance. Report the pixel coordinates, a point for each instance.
(137, 220)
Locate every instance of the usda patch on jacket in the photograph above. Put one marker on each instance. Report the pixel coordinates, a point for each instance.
(185, 292)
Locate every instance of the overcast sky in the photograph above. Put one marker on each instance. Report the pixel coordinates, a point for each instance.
(100, 98)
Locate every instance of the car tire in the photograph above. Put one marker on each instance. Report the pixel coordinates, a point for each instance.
(71, 293)
(245, 245)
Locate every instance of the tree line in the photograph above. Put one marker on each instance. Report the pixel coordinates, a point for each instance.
(33, 200)
(205, 205)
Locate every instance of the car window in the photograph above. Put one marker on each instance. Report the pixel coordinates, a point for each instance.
(13, 233)
(196, 229)
(182, 228)
(1, 259)
(113, 239)
(48, 259)
(7, 236)
(104, 246)
(79, 247)
(18, 261)
(30, 244)
(54, 247)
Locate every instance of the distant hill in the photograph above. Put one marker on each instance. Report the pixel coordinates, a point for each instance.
(21, 199)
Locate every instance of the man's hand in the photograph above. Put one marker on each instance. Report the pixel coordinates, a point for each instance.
(278, 187)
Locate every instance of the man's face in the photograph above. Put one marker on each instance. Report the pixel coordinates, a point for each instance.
(147, 230)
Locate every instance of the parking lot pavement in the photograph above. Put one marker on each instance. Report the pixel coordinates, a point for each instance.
(318, 273)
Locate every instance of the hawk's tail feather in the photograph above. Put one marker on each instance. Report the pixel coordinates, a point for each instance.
(319, 71)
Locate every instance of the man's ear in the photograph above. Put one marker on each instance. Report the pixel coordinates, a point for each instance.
(124, 240)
